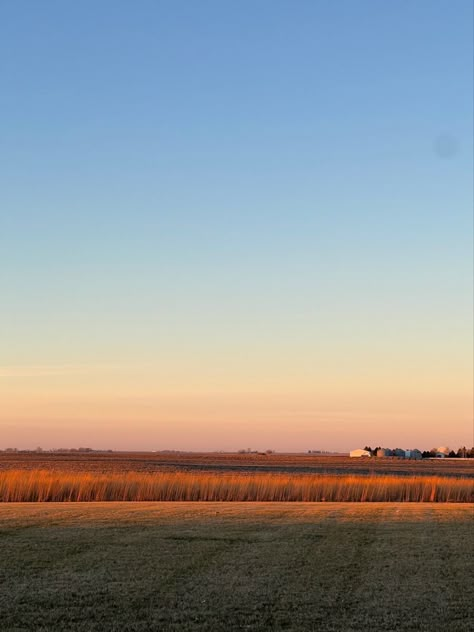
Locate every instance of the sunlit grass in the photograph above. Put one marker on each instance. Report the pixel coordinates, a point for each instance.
(64, 486)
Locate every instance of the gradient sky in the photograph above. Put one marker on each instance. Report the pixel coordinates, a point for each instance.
(232, 224)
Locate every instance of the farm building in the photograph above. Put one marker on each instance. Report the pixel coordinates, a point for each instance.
(381, 452)
(413, 454)
(358, 453)
(399, 452)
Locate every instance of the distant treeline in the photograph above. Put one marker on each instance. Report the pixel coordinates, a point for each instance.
(460, 453)
(63, 486)
(467, 453)
(40, 450)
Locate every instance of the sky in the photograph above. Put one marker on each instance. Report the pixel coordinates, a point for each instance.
(236, 224)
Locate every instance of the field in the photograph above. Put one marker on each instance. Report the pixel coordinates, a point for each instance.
(233, 463)
(30, 477)
(188, 566)
(236, 566)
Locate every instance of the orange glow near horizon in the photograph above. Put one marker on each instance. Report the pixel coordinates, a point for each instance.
(120, 408)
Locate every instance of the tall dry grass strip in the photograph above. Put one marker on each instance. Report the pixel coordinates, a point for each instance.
(51, 486)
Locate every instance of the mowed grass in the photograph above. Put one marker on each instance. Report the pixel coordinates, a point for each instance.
(67, 486)
(236, 566)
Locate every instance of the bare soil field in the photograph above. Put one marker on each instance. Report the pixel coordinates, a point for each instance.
(236, 566)
(218, 462)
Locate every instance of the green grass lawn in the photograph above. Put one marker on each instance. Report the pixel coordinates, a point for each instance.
(236, 566)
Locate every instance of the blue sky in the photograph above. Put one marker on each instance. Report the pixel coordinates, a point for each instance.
(286, 183)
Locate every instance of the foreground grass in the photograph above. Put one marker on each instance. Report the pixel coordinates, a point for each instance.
(58, 486)
(236, 566)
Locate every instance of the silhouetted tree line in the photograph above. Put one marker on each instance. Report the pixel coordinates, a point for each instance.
(461, 453)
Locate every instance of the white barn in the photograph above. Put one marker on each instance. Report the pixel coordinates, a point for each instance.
(358, 453)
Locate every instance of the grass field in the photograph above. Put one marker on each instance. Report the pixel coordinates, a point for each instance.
(70, 486)
(236, 566)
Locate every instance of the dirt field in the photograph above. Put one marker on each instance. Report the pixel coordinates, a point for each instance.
(212, 462)
(236, 566)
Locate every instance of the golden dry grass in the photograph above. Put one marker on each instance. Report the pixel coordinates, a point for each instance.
(57, 486)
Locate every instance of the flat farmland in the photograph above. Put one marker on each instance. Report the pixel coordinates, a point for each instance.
(236, 566)
(51, 477)
(233, 463)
